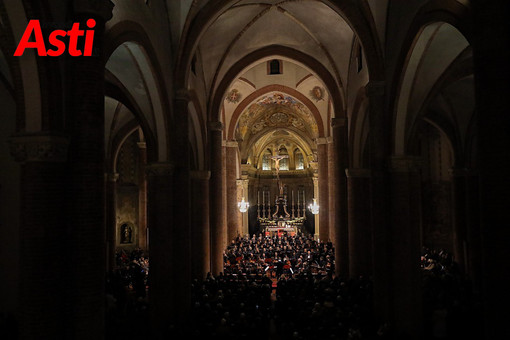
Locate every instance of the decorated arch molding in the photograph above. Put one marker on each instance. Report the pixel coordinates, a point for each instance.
(270, 88)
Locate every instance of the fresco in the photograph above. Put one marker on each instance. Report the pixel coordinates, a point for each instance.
(276, 110)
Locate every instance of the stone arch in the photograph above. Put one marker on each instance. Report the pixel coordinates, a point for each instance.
(269, 88)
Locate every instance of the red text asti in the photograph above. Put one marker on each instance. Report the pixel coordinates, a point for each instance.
(56, 40)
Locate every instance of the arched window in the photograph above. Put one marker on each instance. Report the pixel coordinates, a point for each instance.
(275, 67)
(300, 161)
(266, 161)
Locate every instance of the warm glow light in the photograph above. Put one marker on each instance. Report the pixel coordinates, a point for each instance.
(243, 205)
(314, 208)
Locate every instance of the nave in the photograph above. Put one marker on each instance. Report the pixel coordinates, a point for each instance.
(285, 287)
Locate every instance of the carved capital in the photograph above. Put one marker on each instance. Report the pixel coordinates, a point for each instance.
(321, 140)
(37, 148)
(183, 95)
(215, 126)
(198, 175)
(112, 177)
(357, 173)
(96, 8)
(405, 164)
(231, 144)
(375, 88)
(142, 145)
(338, 122)
(160, 169)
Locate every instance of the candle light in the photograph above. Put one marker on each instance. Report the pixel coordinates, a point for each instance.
(258, 197)
(263, 197)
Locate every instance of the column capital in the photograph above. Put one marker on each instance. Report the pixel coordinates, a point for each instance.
(231, 144)
(405, 164)
(215, 126)
(39, 148)
(321, 140)
(338, 122)
(183, 95)
(357, 173)
(461, 172)
(200, 175)
(160, 169)
(375, 88)
(112, 177)
(97, 8)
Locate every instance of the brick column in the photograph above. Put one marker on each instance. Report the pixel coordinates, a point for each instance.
(200, 237)
(181, 226)
(459, 214)
(360, 233)
(315, 180)
(142, 196)
(218, 227)
(162, 273)
(243, 190)
(405, 248)
(43, 236)
(224, 191)
(379, 198)
(333, 182)
(85, 201)
(233, 213)
(111, 219)
(338, 184)
(322, 157)
(491, 67)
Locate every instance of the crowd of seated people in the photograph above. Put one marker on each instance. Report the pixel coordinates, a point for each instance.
(275, 255)
(450, 308)
(126, 294)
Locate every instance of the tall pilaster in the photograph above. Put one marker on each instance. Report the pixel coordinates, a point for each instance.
(458, 179)
(322, 156)
(218, 227)
(111, 219)
(315, 180)
(142, 196)
(86, 187)
(338, 184)
(360, 233)
(233, 214)
(242, 191)
(200, 232)
(379, 197)
(43, 236)
(405, 247)
(160, 213)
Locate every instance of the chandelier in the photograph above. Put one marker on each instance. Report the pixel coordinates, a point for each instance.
(243, 205)
(314, 208)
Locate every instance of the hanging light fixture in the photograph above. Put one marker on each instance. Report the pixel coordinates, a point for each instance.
(314, 208)
(243, 205)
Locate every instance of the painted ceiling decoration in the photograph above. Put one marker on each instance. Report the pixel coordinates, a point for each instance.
(234, 96)
(317, 93)
(276, 110)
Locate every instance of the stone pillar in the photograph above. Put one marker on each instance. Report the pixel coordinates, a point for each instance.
(474, 260)
(218, 227)
(305, 205)
(181, 226)
(322, 156)
(405, 248)
(142, 196)
(43, 236)
(86, 187)
(201, 250)
(490, 20)
(379, 142)
(459, 214)
(162, 274)
(360, 234)
(338, 184)
(233, 214)
(332, 200)
(111, 219)
(226, 239)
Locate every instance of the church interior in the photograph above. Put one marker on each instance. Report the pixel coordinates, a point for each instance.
(274, 169)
